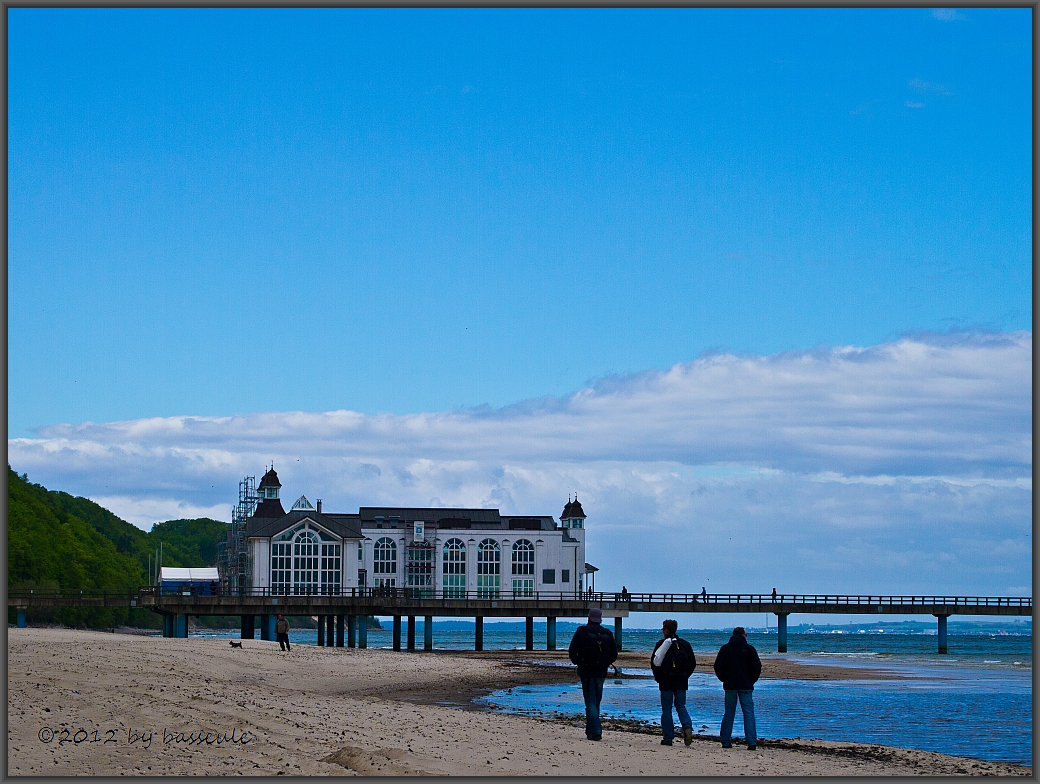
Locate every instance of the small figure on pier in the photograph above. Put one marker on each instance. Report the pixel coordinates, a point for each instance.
(624, 594)
(774, 595)
(704, 594)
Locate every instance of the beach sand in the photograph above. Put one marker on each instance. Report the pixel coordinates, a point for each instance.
(338, 711)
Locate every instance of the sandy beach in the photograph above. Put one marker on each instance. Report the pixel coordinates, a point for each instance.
(94, 703)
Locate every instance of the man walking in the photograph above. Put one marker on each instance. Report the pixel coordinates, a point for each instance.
(737, 665)
(281, 633)
(593, 649)
(672, 663)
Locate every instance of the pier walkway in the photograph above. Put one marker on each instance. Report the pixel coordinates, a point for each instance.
(338, 613)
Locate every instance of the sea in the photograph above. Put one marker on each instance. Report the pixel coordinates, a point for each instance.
(974, 701)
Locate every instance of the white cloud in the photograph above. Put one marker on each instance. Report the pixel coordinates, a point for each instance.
(948, 15)
(904, 466)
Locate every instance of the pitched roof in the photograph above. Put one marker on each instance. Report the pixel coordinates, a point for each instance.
(346, 526)
(270, 508)
(573, 509)
(270, 479)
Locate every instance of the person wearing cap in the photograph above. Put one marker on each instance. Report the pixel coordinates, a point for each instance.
(737, 665)
(281, 633)
(593, 649)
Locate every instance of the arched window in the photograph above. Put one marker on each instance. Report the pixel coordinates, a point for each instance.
(523, 568)
(489, 559)
(454, 569)
(305, 563)
(385, 562)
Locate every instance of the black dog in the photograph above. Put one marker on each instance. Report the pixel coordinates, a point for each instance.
(234, 644)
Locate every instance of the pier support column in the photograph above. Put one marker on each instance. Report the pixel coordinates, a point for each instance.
(330, 631)
(478, 634)
(248, 629)
(321, 631)
(617, 633)
(397, 632)
(362, 631)
(167, 626)
(339, 631)
(529, 636)
(351, 628)
(550, 634)
(781, 632)
(180, 625)
(942, 633)
(21, 617)
(427, 633)
(267, 627)
(411, 632)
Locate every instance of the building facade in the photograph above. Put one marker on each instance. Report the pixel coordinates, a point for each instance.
(430, 552)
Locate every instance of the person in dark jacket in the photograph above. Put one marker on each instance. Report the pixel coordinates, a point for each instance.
(593, 649)
(672, 663)
(737, 665)
(281, 633)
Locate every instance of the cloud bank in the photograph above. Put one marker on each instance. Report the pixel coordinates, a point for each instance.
(908, 462)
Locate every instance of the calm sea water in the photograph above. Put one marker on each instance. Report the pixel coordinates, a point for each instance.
(976, 701)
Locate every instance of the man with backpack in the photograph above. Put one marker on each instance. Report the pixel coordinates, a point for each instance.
(593, 649)
(672, 663)
(737, 665)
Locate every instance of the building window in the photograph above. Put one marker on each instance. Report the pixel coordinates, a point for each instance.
(384, 566)
(565, 575)
(305, 563)
(331, 569)
(489, 560)
(360, 554)
(548, 576)
(523, 568)
(281, 568)
(454, 569)
(419, 570)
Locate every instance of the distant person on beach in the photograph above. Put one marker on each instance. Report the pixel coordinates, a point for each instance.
(593, 649)
(281, 633)
(737, 665)
(672, 663)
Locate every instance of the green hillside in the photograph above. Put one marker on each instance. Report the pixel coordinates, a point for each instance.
(55, 540)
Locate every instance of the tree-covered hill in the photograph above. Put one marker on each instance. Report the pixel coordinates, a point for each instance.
(55, 540)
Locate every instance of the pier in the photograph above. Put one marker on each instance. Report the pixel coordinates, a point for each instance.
(338, 614)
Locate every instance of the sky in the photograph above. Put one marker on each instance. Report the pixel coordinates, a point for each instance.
(755, 283)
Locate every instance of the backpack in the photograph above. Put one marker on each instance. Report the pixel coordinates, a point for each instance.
(594, 648)
(678, 659)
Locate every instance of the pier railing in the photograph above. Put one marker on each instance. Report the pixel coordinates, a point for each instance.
(620, 599)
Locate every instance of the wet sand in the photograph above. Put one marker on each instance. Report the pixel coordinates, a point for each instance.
(84, 703)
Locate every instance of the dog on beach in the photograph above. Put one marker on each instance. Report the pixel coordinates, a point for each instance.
(234, 644)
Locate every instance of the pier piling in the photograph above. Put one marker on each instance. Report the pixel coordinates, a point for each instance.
(428, 633)
(339, 631)
(321, 631)
(267, 627)
(529, 637)
(478, 633)
(550, 634)
(21, 618)
(942, 633)
(351, 629)
(248, 629)
(617, 632)
(411, 632)
(362, 631)
(781, 632)
(397, 632)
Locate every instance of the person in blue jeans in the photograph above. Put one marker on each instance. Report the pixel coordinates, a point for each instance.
(593, 649)
(738, 667)
(672, 663)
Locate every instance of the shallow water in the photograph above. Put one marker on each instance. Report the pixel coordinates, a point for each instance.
(967, 711)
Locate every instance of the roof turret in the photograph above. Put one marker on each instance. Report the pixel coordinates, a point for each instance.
(270, 479)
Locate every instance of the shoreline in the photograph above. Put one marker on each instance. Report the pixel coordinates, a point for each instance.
(336, 711)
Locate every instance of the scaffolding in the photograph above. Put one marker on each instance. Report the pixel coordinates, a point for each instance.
(233, 557)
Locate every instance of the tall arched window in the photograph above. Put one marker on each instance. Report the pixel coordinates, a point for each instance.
(523, 568)
(384, 564)
(489, 559)
(305, 563)
(454, 569)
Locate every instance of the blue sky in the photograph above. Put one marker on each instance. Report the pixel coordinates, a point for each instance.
(223, 211)
(455, 221)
